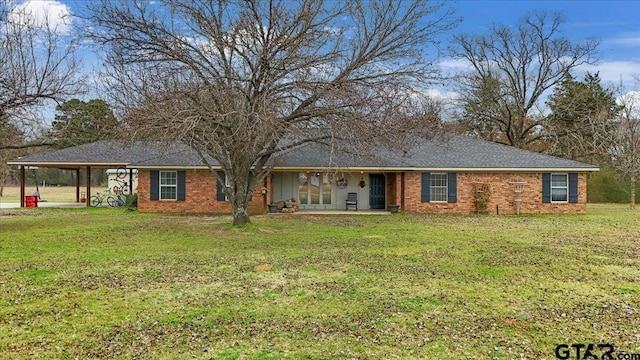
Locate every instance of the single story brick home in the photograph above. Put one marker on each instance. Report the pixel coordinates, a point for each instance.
(445, 174)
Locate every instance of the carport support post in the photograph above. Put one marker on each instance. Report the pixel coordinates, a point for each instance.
(22, 180)
(78, 185)
(88, 186)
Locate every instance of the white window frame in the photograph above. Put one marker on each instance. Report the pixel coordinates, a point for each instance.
(566, 188)
(227, 185)
(445, 187)
(321, 193)
(161, 185)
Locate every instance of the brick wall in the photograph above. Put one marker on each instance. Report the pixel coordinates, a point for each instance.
(200, 188)
(501, 200)
(201, 195)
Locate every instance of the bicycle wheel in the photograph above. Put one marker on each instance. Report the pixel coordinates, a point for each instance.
(112, 201)
(95, 201)
(125, 190)
(121, 173)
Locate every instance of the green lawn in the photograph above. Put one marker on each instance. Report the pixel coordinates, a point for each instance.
(111, 283)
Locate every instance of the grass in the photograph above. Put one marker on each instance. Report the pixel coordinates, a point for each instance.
(107, 283)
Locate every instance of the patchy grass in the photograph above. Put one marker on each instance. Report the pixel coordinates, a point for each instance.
(105, 283)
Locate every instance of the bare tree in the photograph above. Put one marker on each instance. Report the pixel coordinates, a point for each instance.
(625, 142)
(37, 65)
(512, 69)
(242, 80)
(8, 134)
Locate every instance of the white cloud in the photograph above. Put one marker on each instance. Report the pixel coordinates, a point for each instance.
(43, 13)
(455, 64)
(626, 39)
(632, 100)
(441, 95)
(614, 71)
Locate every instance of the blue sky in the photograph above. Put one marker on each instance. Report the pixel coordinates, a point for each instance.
(615, 23)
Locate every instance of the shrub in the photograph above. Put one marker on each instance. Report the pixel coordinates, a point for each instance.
(605, 186)
(132, 201)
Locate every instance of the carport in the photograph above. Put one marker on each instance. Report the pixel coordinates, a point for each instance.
(103, 154)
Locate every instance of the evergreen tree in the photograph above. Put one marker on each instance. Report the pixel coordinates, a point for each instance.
(78, 122)
(582, 113)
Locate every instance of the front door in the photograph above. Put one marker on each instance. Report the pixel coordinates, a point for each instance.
(376, 191)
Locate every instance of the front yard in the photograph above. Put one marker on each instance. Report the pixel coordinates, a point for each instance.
(111, 283)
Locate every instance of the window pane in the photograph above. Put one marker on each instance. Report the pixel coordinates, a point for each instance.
(439, 194)
(168, 193)
(558, 180)
(303, 189)
(326, 189)
(438, 187)
(559, 194)
(314, 189)
(438, 179)
(168, 178)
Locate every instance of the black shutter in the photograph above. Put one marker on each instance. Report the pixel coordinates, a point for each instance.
(182, 177)
(220, 187)
(426, 187)
(155, 185)
(452, 188)
(573, 188)
(546, 188)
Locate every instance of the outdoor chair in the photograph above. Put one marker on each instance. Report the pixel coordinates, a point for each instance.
(352, 200)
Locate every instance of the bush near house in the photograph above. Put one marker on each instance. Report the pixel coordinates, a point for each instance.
(605, 186)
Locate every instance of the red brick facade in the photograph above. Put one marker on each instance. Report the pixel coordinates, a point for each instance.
(403, 189)
(200, 196)
(501, 198)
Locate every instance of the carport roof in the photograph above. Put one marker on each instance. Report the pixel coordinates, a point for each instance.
(109, 153)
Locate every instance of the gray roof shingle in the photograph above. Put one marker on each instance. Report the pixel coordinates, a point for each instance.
(442, 152)
(114, 153)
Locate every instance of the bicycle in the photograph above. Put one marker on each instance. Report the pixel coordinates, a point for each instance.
(113, 201)
(122, 186)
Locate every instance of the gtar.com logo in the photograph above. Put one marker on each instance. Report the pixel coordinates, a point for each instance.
(591, 351)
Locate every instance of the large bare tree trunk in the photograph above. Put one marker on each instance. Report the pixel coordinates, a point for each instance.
(239, 194)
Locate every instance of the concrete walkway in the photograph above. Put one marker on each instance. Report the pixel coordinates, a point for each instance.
(335, 212)
(46, 204)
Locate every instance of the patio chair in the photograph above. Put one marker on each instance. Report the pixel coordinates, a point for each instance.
(352, 200)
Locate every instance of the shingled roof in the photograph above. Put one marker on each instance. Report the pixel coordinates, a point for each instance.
(108, 153)
(446, 152)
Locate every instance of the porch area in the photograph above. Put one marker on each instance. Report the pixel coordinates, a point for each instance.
(332, 212)
(318, 192)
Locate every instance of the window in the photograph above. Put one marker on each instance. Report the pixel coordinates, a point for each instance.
(559, 188)
(314, 189)
(438, 187)
(168, 185)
